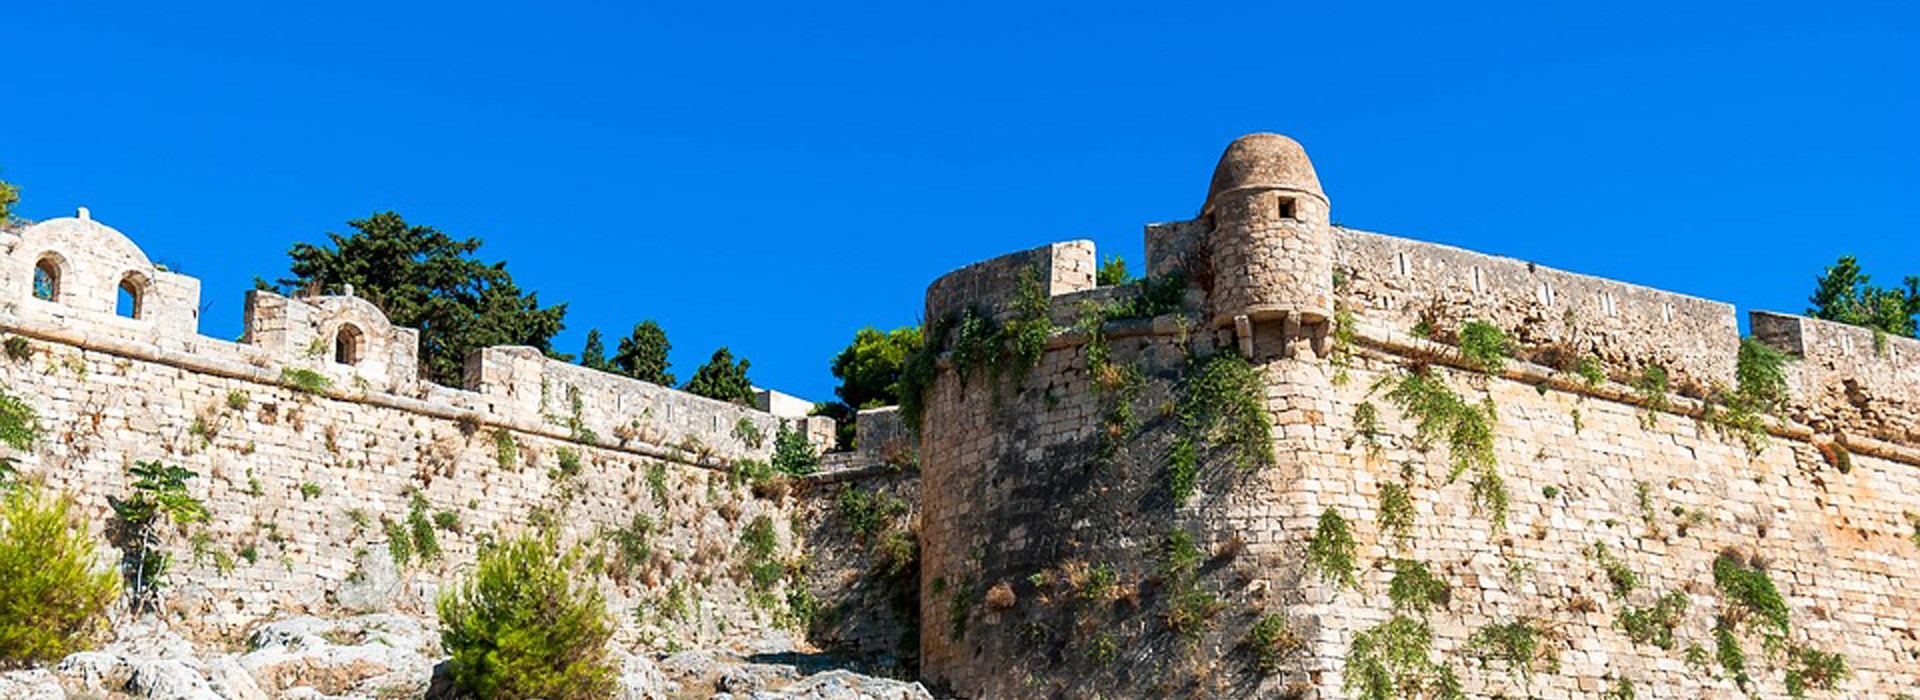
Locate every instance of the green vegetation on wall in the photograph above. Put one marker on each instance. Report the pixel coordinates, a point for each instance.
(1439, 414)
(159, 501)
(1222, 408)
(1330, 553)
(1485, 345)
(1393, 660)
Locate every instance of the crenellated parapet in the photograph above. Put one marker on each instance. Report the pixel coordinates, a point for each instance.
(80, 282)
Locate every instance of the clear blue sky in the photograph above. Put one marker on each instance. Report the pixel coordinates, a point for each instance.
(774, 177)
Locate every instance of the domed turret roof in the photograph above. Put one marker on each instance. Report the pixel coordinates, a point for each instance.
(1263, 161)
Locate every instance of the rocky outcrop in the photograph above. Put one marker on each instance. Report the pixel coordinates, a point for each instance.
(395, 656)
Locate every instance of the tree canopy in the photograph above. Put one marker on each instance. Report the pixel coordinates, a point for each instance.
(869, 368)
(869, 372)
(9, 196)
(1113, 272)
(594, 355)
(722, 378)
(643, 355)
(1845, 294)
(427, 280)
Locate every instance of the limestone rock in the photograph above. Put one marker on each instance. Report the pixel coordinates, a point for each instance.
(847, 685)
(374, 584)
(641, 679)
(36, 684)
(369, 655)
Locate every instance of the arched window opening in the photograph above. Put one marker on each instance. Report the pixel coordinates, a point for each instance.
(346, 345)
(132, 299)
(46, 279)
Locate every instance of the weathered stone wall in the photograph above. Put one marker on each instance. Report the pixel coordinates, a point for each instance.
(861, 535)
(1666, 494)
(1050, 521)
(1038, 485)
(1016, 494)
(1057, 268)
(315, 432)
(1852, 382)
(1399, 282)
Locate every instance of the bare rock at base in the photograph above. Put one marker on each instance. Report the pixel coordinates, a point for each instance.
(384, 656)
(33, 684)
(368, 655)
(641, 679)
(847, 685)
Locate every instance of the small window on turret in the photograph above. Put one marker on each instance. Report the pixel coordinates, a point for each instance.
(1287, 208)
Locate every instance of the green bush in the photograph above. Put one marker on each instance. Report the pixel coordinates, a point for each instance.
(1394, 660)
(1396, 512)
(160, 499)
(1271, 641)
(53, 600)
(1750, 591)
(1655, 624)
(305, 380)
(521, 626)
(1521, 644)
(1113, 271)
(792, 454)
(1485, 345)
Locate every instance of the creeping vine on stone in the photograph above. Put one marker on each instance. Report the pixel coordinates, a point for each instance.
(1331, 551)
(1441, 414)
(1222, 406)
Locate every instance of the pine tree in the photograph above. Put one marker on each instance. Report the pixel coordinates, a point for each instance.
(430, 281)
(643, 354)
(721, 378)
(594, 355)
(1845, 294)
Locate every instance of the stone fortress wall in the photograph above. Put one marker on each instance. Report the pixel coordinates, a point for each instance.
(314, 430)
(1048, 519)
